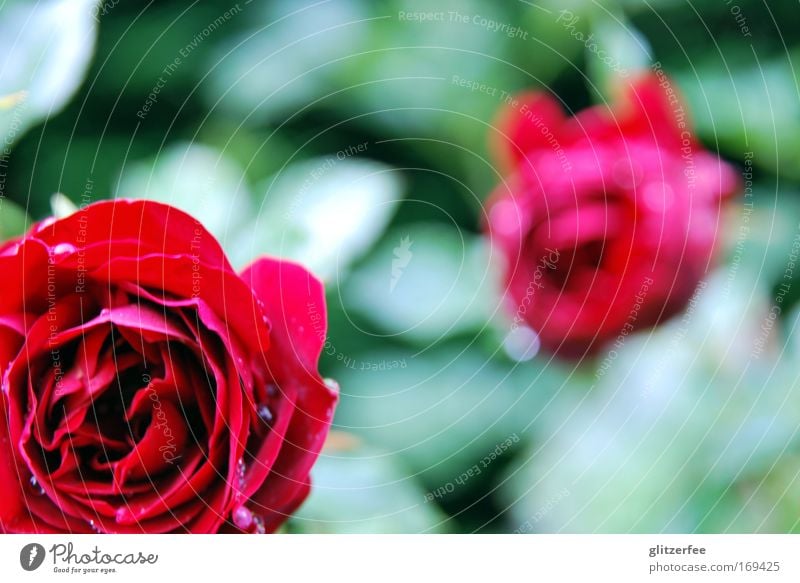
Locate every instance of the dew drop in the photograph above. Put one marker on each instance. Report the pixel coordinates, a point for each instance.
(265, 414)
(64, 249)
(123, 515)
(242, 518)
(272, 390)
(36, 486)
(332, 385)
(241, 470)
(522, 344)
(95, 527)
(258, 522)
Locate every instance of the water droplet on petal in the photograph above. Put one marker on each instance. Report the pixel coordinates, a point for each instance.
(64, 249)
(265, 414)
(242, 518)
(272, 390)
(241, 470)
(123, 515)
(522, 344)
(36, 486)
(259, 524)
(95, 527)
(332, 385)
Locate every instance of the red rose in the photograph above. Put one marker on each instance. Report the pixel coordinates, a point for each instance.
(146, 387)
(608, 219)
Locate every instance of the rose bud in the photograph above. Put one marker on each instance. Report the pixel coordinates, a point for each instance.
(607, 220)
(146, 386)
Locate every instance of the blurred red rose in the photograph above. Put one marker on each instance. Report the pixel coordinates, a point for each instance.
(146, 387)
(607, 220)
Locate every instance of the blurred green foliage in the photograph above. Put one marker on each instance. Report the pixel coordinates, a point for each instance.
(340, 134)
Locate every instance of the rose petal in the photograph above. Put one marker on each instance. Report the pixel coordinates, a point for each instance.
(159, 449)
(154, 228)
(294, 302)
(291, 299)
(12, 502)
(532, 123)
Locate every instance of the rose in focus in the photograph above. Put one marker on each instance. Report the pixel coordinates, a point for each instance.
(148, 387)
(607, 220)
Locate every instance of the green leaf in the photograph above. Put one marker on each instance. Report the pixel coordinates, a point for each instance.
(352, 56)
(272, 68)
(323, 213)
(615, 52)
(678, 415)
(758, 234)
(45, 48)
(443, 410)
(197, 179)
(14, 221)
(752, 107)
(62, 206)
(365, 491)
(415, 70)
(649, 6)
(553, 48)
(425, 282)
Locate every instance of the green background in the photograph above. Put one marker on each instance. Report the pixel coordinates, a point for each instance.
(333, 133)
